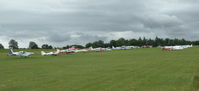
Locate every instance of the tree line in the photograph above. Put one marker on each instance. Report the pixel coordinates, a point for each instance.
(32, 45)
(116, 43)
(141, 42)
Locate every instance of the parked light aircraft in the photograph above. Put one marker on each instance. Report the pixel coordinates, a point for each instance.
(20, 53)
(172, 48)
(81, 50)
(99, 49)
(66, 51)
(56, 53)
(124, 47)
(178, 47)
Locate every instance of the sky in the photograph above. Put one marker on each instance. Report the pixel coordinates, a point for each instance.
(66, 22)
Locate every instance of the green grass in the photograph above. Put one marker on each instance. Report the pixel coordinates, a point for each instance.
(125, 70)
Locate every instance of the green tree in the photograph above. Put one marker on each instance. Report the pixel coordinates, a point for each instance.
(89, 45)
(46, 46)
(13, 44)
(144, 41)
(140, 42)
(133, 42)
(113, 43)
(121, 42)
(77, 46)
(99, 43)
(33, 45)
(1, 46)
(150, 42)
(66, 47)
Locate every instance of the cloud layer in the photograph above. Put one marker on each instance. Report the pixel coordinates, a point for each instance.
(62, 22)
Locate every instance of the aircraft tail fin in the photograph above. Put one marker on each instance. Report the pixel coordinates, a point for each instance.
(91, 48)
(58, 51)
(11, 52)
(43, 53)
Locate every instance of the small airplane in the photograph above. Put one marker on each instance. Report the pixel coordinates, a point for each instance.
(126, 47)
(177, 47)
(167, 48)
(56, 53)
(99, 49)
(66, 51)
(172, 48)
(81, 50)
(20, 53)
(91, 49)
(96, 49)
(117, 48)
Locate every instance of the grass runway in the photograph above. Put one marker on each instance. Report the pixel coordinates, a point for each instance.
(120, 70)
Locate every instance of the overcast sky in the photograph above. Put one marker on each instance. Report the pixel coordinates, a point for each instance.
(62, 22)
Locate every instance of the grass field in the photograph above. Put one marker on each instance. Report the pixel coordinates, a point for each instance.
(123, 70)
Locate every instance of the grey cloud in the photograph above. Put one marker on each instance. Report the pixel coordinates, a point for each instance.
(62, 22)
(58, 37)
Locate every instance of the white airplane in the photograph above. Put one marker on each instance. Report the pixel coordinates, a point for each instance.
(167, 48)
(81, 50)
(108, 49)
(91, 49)
(178, 47)
(56, 53)
(96, 49)
(70, 50)
(116, 48)
(99, 49)
(172, 48)
(20, 53)
(186, 46)
(66, 51)
(124, 47)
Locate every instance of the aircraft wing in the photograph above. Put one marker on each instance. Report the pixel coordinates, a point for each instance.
(25, 54)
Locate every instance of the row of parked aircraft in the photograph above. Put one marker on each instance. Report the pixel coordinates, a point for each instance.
(74, 50)
(66, 51)
(177, 47)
